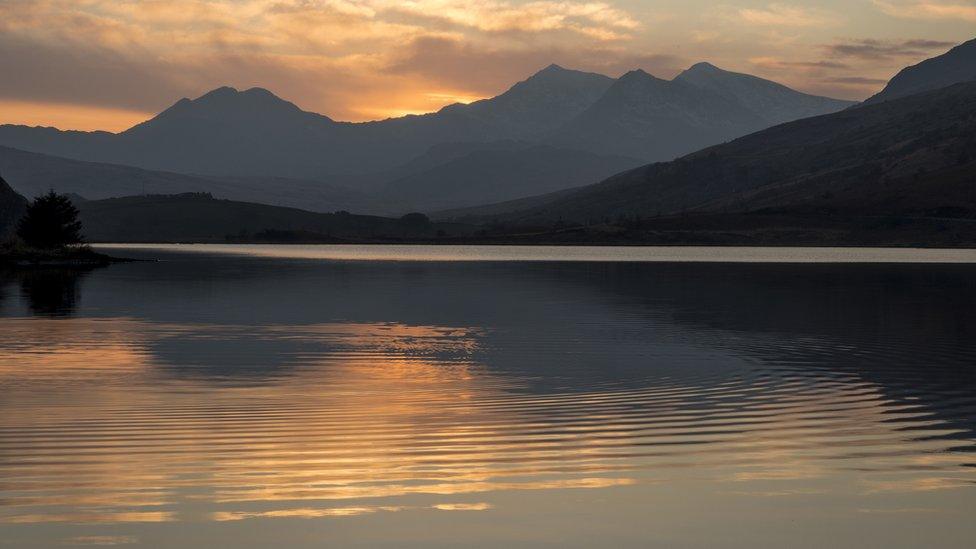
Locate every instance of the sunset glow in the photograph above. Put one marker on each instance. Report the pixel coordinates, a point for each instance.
(109, 64)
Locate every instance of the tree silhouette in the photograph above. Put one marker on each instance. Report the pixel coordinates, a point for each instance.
(51, 221)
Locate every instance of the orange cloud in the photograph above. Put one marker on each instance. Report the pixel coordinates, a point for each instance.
(782, 15)
(928, 10)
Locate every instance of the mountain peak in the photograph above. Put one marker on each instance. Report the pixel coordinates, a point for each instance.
(232, 107)
(259, 92)
(638, 75)
(553, 72)
(223, 91)
(704, 67)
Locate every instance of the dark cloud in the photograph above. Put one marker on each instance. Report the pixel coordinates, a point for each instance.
(856, 80)
(814, 64)
(881, 50)
(95, 77)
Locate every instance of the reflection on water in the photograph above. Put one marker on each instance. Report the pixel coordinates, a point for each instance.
(212, 401)
(49, 291)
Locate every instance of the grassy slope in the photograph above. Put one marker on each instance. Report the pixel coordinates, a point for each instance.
(195, 218)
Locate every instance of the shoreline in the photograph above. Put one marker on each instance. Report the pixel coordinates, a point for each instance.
(72, 257)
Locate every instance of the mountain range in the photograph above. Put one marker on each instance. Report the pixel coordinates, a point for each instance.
(598, 125)
(36, 173)
(907, 159)
(900, 164)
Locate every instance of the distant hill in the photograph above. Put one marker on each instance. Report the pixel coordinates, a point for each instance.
(914, 156)
(501, 173)
(955, 66)
(12, 206)
(33, 174)
(253, 133)
(646, 117)
(196, 217)
(773, 103)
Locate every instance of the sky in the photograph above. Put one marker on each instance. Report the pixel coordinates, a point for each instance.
(108, 64)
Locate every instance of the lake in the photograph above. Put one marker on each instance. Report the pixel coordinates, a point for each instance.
(383, 396)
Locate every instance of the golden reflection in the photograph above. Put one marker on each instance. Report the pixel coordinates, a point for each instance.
(310, 512)
(106, 421)
(380, 413)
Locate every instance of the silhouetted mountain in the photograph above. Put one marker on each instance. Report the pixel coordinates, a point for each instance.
(914, 156)
(654, 119)
(955, 66)
(198, 217)
(543, 102)
(496, 173)
(33, 174)
(228, 131)
(253, 133)
(773, 103)
(12, 206)
(650, 118)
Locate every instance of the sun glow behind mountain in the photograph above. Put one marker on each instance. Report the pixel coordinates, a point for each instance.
(108, 64)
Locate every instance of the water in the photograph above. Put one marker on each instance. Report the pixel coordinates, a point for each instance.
(320, 397)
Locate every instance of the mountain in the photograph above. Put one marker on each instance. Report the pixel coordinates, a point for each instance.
(198, 217)
(956, 65)
(647, 117)
(33, 174)
(653, 119)
(253, 133)
(913, 157)
(543, 102)
(225, 131)
(774, 103)
(12, 206)
(496, 173)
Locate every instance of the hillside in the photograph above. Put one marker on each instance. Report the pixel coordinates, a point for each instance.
(490, 174)
(774, 103)
(32, 174)
(196, 217)
(12, 206)
(956, 65)
(646, 117)
(914, 156)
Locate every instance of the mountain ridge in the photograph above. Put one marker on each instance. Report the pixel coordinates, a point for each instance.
(255, 133)
(909, 156)
(956, 65)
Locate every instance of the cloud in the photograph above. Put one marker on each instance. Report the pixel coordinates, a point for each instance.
(881, 49)
(782, 15)
(857, 80)
(928, 10)
(802, 65)
(594, 19)
(448, 62)
(364, 59)
(344, 58)
(849, 69)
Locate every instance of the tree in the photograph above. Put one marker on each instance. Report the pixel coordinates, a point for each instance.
(51, 221)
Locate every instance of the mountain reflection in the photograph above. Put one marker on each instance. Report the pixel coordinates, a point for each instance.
(239, 391)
